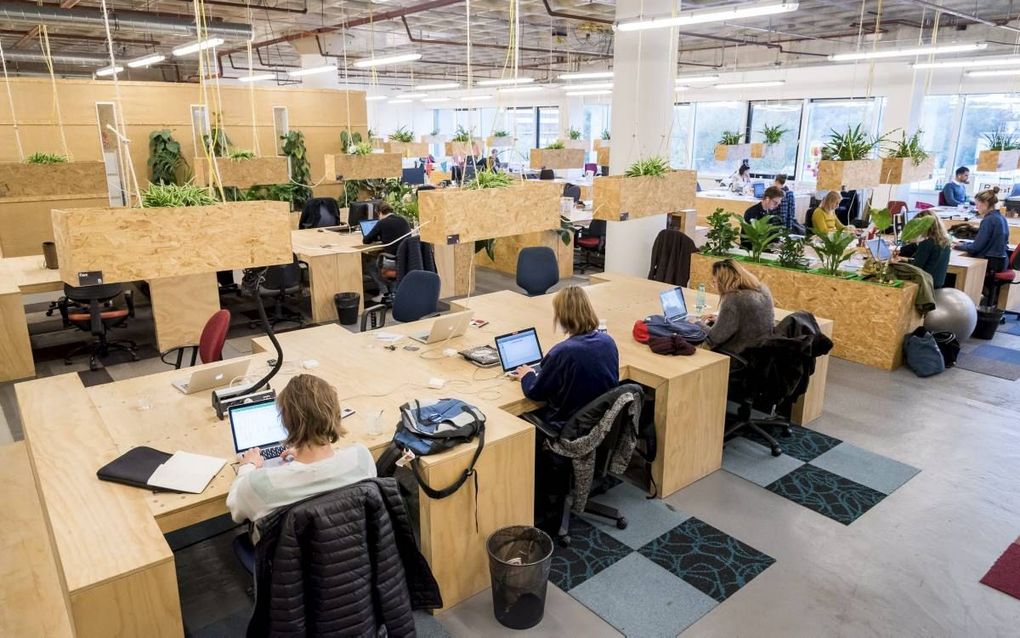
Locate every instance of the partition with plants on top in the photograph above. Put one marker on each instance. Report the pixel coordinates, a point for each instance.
(556, 156)
(464, 143)
(906, 161)
(359, 161)
(848, 160)
(224, 165)
(1003, 153)
(731, 147)
(401, 142)
(648, 187)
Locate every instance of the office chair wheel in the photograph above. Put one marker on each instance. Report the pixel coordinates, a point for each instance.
(777, 451)
(621, 523)
(564, 541)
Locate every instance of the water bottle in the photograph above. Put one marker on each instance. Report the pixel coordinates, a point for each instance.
(602, 326)
(699, 299)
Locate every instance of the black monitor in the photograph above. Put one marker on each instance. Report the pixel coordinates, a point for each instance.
(413, 176)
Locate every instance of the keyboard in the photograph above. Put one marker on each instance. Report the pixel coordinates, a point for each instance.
(270, 453)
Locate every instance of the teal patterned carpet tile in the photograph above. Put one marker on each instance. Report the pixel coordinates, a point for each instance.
(828, 494)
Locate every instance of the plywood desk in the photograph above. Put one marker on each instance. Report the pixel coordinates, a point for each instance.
(707, 201)
(969, 273)
(334, 265)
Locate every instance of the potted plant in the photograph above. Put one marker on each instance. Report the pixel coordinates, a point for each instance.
(239, 168)
(1003, 152)
(847, 160)
(791, 252)
(300, 170)
(574, 140)
(833, 249)
(603, 141)
(49, 174)
(721, 234)
(434, 137)
(165, 158)
(648, 187)
(464, 142)
(402, 142)
(556, 156)
(499, 139)
(759, 233)
(359, 161)
(731, 147)
(772, 138)
(906, 161)
(878, 269)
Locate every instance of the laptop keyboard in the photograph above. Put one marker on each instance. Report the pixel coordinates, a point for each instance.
(272, 452)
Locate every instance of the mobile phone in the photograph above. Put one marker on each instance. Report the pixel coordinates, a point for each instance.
(346, 412)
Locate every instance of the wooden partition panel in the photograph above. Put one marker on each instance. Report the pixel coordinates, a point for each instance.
(459, 215)
(25, 221)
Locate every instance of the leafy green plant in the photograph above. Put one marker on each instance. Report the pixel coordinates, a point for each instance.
(402, 134)
(216, 140)
(370, 134)
(909, 148)
(46, 158)
(759, 233)
(605, 134)
(573, 134)
(434, 132)
(500, 133)
(489, 179)
(566, 230)
(915, 228)
(773, 134)
(791, 252)
(651, 167)
(176, 196)
(731, 138)
(721, 233)
(349, 140)
(834, 249)
(165, 159)
(1002, 141)
(462, 134)
(402, 199)
(270, 192)
(361, 148)
(850, 145)
(881, 218)
(555, 146)
(300, 171)
(240, 155)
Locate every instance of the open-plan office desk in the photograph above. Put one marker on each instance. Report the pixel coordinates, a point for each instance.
(20, 276)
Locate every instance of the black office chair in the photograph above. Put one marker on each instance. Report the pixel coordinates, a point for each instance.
(537, 270)
(91, 309)
(282, 284)
(319, 212)
(621, 407)
(591, 241)
(416, 297)
(470, 171)
(572, 191)
(546, 173)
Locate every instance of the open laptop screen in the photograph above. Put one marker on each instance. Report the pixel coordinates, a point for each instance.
(367, 225)
(518, 348)
(674, 308)
(256, 425)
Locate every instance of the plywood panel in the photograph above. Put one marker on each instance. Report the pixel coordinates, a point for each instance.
(602, 155)
(618, 198)
(507, 249)
(181, 306)
(556, 158)
(735, 205)
(474, 147)
(723, 152)
(500, 142)
(128, 244)
(18, 179)
(898, 170)
(245, 173)
(15, 348)
(455, 265)
(407, 149)
(25, 224)
(998, 161)
(461, 215)
(834, 175)
(373, 166)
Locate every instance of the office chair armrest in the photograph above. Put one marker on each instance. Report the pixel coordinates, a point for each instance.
(180, 355)
(741, 362)
(541, 425)
(129, 300)
(376, 313)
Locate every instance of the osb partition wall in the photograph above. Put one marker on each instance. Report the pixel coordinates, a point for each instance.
(506, 250)
(128, 244)
(869, 320)
(407, 149)
(834, 175)
(474, 147)
(602, 155)
(462, 215)
(85, 178)
(755, 150)
(998, 161)
(556, 158)
(341, 167)
(25, 222)
(902, 170)
(245, 173)
(618, 198)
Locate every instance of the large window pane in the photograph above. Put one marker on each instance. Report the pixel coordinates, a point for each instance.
(710, 120)
(549, 125)
(522, 127)
(680, 136)
(938, 113)
(824, 116)
(982, 115)
(782, 157)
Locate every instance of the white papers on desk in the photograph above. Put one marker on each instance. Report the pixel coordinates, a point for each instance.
(388, 337)
(186, 472)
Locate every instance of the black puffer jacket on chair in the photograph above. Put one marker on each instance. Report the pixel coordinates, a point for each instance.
(343, 563)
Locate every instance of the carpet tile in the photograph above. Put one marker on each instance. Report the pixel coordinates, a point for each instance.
(1010, 327)
(754, 461)
(803, 444)
(591, 551)
(1005, 573)
(647, 519)
(994, 361)
(828, 494)
(878, 472)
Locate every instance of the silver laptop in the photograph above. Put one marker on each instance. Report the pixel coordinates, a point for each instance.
(258, 425)
(674, 308)
(212, 377)
(445, 327)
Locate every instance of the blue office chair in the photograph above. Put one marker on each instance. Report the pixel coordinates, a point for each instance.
(417, 297)
(413, 176)
(1016, 191)
(537, 270)
(572, 191)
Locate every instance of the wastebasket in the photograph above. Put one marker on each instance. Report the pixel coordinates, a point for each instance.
(519, 562)
(987, 323)
(347, 307)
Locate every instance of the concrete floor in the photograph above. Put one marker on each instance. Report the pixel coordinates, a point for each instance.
(910, 567)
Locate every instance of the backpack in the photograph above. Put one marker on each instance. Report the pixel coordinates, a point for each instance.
(432, 428)
(949, 346)
(659, 326)
(921, 353)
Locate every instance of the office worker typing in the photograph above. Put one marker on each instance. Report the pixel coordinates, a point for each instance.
(932, 251)
(767, 207)
(746, 311)
(390, 228)
(993, 233)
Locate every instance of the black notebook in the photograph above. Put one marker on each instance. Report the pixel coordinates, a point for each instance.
(134, 467)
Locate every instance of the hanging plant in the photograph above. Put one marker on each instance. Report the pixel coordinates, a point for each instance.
(216, 141)
(555, 146)
(500, 134)
(349, 140)
(731, 138)
(361, 148)
(300, 171)
(46, 158)
(165, 158)
(462, 134)
(573, 134)
(489, 179)
(651, 167)
(240, 155)
(402, 134)
(773, 134)
(605, 134)
(176, 196)
(851, 145)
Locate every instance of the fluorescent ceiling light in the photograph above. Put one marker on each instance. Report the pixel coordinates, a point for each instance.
(505, 82)
(1012, 60)
(413, 96)
(749, 85)
(108, 70)
(399, 101)
(476, 98)
(989, 74)
(906, 53)
(595, 86)
(436, 99)
(146, 60)
(691, 79)
(682, 87)
(522, 89)
(438, 87)
(392, 59)
(583, 93)
(594, 75)
(701, 16)
(258, 77)
(195, 47)
(312, 70)
(374, 98)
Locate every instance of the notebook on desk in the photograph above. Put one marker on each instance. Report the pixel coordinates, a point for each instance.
(159, 471)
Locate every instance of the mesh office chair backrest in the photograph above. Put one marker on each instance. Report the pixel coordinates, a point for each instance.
(546, 173)
(537, 270)
(284, 277)
(573, 191)
(417, 296)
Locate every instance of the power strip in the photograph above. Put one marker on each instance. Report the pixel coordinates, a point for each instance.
(223, 400)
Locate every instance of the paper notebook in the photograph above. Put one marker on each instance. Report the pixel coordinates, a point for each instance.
(186, 472)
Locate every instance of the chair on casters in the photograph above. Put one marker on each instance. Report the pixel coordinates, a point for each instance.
(591, 241)
(417, 297)
(546, 174)
(319, 212)
(573, 191)
(282, 283)
(90, 309)
(1003, 278)
(537, 270)
(605, 428)
(942, 199)
(210, 344)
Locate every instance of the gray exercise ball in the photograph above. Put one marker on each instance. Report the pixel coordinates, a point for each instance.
(954, 312)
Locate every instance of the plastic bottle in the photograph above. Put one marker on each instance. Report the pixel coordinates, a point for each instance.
(699, 299)
(602, 326)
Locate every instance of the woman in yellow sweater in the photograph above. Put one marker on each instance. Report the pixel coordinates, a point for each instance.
(824, 219)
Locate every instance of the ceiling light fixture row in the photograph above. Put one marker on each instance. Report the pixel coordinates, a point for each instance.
(390, 59)
(907, 53)
(702, 16)
(1012, 60)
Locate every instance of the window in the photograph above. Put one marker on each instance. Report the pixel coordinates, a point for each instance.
(824, 116)
(939, 114)
(199, 126)
(711, 119)
(522, 125)
(680, 136)
(281, 126)
(548, 125)
(596, 120)
(982, 115)
(782, 157)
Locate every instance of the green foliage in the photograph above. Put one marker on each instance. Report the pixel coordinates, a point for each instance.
(434, 132)
(721, 233)
(270, 192)
(605, 134)
(402, 199)
(1000, 140)
(165, 159)
(881, 218)
(46, 158)
(915, 228)
(555, 146)
(731, 138)
(853, 144)
(566, 230)
(462, 134)
(175, 196)
(240, 154)
(773, 134)
(652, 167)
(216, 141)
(489, 179)
(759, 233)
(361, 148)
(300, 171)
(573, 134)
(834, 249)
(791, 252)
(909, 148)
(500, 133)
(402, 134)
(349, 140)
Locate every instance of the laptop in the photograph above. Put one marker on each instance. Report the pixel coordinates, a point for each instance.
(367, 225)
(258, 425)
(759, 189)
(674, 308)
(444, 328)
(519, 348)
(879, 249)
(212, 377)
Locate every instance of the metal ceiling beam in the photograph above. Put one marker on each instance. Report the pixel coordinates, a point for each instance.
(965, 16)
(502, 47)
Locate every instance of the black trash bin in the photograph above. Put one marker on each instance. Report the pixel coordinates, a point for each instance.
(987, 323)
(347, 307)
(519, 562)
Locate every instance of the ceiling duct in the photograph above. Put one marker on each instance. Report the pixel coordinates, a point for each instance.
(71, 59)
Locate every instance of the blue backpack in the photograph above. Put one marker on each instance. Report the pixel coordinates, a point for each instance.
(921, 353)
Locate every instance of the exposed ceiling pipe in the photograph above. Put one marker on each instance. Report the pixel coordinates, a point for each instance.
(965, 16)
(502, 47)
(83, 38)
(29, 13)
(72, 59)
(253, 7)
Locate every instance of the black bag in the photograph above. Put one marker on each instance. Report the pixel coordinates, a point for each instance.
(431, 428)
(949, 346)
(921, 353)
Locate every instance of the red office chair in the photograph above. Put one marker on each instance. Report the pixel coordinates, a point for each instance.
(924, 206)
(210, 344)
(1006, 278)
(942, 199)
(590, 241)
(896, 207)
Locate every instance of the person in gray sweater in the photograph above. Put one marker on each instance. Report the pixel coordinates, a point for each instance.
(746, 312)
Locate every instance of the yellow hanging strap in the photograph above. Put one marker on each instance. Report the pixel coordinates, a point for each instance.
(201, 32)
(256, 148)
(123, 150)
(44, 41)
(10, 100)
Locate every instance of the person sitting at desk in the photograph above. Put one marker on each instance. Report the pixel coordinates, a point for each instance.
(788, 206)
(310, 411)
(494, 163)
(741, 180)
(767, 207)
(824, 220)
(390, 229)
(575, 371)
(955, 192)
(933, 251)
(993, 233)
(746, 311)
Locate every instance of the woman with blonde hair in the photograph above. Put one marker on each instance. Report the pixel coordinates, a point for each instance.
(824, 220)
(932, 253)
(746, 312)
(310, 412)
(993, 232)
(577, 370)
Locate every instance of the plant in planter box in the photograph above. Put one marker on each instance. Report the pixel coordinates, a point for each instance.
(791, 252)
(555, 146)
(731, 138)
(759, 234)
(909, 148)
(349, 140)
(462, 134)
(773, 134)
(434, 132)
(46, 158)
(1002, 141)
(721, 234)
(240, 154)
(573, 134)
(482, 180)
(165, 157)
(216, 141)
(402, 134)
(361, 148)
(174, 196)
(834, 249)
(651, 167)
(300, 170)
(500, 134)
(850, 145)
(605, 134)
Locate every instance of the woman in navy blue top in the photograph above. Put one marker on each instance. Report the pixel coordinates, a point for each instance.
(993, 233)
(577, 370)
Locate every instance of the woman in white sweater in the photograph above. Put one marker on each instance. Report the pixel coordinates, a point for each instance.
(310, 411)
